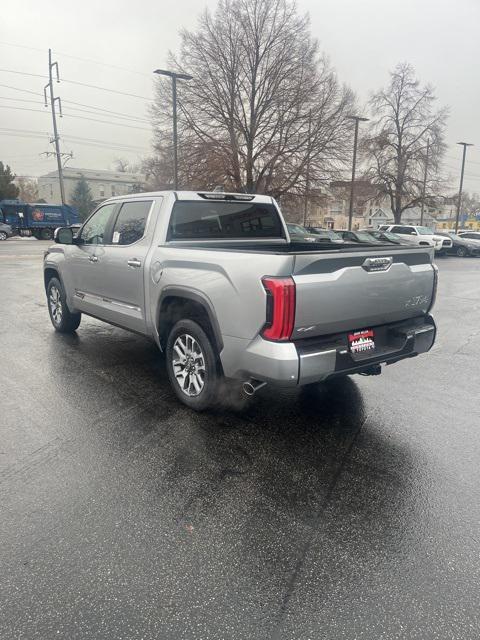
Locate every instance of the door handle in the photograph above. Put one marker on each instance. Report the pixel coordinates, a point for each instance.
(93, 259)
(134, 262)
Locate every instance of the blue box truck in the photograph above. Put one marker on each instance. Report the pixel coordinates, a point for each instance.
(39, 219)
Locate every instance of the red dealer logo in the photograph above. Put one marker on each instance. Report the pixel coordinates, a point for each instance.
(37, 215)
(361, 341)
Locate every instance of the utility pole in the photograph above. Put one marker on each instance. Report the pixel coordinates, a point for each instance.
(307, 174)
(424, 182)
(459, 201)
(56, 137)
(174, 76)
(356, 119)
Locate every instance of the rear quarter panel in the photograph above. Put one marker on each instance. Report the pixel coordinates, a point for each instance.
(229, 280)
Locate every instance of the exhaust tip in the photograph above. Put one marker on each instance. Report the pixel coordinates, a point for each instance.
(252, 386)
(248, 389)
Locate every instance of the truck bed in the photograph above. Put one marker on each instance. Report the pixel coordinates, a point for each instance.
(335, 287)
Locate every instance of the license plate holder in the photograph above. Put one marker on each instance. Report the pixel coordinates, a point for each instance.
(361, 342)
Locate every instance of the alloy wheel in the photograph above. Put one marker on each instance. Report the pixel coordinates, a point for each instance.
(55, 305)
(188, 365)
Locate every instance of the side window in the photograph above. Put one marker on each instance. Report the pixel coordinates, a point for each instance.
(93, 231)
(398, 230)
(130, 223)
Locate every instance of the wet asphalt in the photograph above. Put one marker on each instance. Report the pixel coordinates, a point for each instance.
(347, 512)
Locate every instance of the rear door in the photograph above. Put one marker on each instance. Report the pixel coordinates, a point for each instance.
(357, 289)
(120, 276)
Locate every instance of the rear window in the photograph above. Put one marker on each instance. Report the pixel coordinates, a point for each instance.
(192, 220)
(131, 220)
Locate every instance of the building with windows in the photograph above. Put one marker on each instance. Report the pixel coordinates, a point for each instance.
(103, 184)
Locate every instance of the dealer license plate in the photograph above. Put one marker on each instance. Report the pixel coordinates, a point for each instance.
(361, 341)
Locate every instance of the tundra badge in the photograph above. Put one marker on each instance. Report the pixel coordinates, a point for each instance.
(377, 264)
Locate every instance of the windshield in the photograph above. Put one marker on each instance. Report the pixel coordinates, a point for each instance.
(390, 236)
(425, 231)
(326, 233)
(363, 236)
(298, 229)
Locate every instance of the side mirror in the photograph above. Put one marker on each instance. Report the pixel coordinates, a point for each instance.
(63, 235)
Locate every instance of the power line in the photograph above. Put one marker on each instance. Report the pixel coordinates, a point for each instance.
(25, 73)
(33, 93)
(93, 110)
(92, 86)
(459, 160)
(22, 46)
(104, 64)
(74, 115)
(67, 55)
(106, 144)
(81, 84)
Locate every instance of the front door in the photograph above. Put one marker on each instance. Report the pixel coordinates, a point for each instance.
(85, 260)
(120, 276)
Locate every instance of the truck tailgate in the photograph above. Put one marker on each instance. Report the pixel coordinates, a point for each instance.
(360, 288)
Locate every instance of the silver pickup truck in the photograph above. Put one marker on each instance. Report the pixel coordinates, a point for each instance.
(214, 279)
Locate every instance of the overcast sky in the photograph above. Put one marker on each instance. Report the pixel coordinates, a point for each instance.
(363, 38)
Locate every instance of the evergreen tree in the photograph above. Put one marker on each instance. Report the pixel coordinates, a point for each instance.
(8, 190)
(82, 198)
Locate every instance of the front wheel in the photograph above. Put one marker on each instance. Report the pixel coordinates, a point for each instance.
(63, 320)
(3, 235)
(192, 365)
(461, 252)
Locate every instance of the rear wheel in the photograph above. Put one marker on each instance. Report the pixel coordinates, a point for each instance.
(63, 320)
(461, 252)
(192, 365)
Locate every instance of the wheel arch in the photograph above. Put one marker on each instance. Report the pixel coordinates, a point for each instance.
(176, 303)
(51, 272)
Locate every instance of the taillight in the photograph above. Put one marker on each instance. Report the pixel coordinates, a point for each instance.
(280, 308)
(435, 287)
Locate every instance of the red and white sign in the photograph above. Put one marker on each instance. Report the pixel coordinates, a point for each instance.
(360, 341)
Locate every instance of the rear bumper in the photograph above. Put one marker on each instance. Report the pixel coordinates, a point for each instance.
(395, 342)
(314, 360)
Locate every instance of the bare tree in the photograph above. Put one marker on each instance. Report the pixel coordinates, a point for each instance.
(122, 165)
(404, 120)
(262, 106)
(27, 189)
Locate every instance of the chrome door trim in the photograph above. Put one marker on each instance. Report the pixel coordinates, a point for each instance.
(91, 297)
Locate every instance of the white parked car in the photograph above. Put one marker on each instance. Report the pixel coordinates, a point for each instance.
(423, 236)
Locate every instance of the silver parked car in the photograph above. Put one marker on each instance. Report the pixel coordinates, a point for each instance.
(6, 231)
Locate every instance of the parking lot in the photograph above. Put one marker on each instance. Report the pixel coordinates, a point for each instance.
(347, 512)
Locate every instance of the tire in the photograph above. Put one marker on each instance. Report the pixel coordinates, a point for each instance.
(189, 346)
(461, 252)
(46, 234)
(3, 235)
(63, 320)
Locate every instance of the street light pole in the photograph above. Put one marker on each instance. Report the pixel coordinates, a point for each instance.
(424, 182)
(459, 201)
(174, 76)
(356, 119)
(307, 175)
